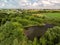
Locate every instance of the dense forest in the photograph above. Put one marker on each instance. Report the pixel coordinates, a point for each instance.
(12, 23)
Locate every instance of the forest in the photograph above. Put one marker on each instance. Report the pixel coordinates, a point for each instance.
(13, 22)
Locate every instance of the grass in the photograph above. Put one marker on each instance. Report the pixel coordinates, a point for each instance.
(52, 15)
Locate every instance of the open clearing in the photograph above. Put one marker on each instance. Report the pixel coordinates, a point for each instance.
(52, 15)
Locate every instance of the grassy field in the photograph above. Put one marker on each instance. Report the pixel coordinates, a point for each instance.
(52, 15)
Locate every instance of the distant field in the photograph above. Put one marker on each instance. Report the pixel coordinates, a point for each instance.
(49, 15)
(52, 15)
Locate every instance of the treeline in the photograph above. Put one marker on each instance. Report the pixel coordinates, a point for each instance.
(31, 10)
(49, 11)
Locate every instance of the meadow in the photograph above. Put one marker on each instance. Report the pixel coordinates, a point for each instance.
(53, 15)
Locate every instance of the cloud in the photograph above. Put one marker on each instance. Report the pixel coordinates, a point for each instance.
(35, 4)
(2, 4)
(29, 4)
(9, 4)
(54, 1)
(40, 3)
(46, 2)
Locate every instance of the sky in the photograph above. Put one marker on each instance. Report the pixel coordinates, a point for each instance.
(30, 4)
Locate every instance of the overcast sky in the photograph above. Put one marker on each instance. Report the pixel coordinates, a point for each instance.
(30, 4)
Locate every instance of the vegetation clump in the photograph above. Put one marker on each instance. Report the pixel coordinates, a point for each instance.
(16, 28)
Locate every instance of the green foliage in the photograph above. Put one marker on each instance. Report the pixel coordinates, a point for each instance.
(52, 36)
(12, 23)
(10, 31)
